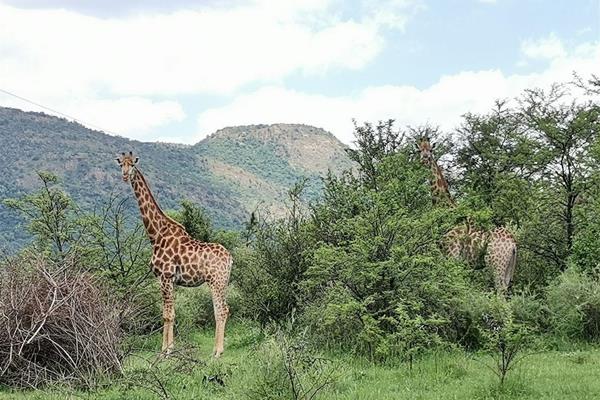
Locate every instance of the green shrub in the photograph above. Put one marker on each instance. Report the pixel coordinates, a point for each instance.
(505, 340)
(270, 270)
(530, 309)
(382, 310)
(194, 307)
(574, 305)
(290, 368)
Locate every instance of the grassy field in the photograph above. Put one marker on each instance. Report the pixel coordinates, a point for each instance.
(448, 375)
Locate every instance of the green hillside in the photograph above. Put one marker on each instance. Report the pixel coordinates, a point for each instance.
(229, 173)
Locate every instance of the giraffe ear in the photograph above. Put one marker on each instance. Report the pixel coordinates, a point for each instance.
(118, 160)
(136, 160)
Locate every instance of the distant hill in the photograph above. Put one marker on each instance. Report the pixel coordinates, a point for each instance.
(229, 173)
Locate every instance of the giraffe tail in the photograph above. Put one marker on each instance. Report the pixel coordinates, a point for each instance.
(229, 266)
(510, 267)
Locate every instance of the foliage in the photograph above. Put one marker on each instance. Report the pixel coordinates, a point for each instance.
(269, 273)
(379, 285)
(199, 225)
(288, 368)
(497, 161)
(118, 251)
(195, 221)
(574, 305)
(506, 340)
(51, 217)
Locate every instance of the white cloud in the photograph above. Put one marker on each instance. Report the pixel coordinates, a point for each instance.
(123, 74)
(393, 14)
(440, 104)
(211, 50)
(134, 115)
(547, 48)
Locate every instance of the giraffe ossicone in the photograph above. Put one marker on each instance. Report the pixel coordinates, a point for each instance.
(464, 241)
(178, 259)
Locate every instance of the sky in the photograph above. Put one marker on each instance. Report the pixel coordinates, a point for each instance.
(178, 71)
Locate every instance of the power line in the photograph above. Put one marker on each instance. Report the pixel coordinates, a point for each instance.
(82, 122)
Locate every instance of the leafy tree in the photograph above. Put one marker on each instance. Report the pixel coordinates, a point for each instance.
(498, 161)
(269, 271)
(197, 224)
(378, 284)
(51, 216)
(120, 247)
(373, 143)
(567, 130)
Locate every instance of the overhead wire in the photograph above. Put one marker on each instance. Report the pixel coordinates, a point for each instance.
(79, 120)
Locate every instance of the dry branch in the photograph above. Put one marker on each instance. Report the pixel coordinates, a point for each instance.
(56, 324)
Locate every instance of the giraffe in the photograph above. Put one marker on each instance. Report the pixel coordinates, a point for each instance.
(464, 242)
(177, 259)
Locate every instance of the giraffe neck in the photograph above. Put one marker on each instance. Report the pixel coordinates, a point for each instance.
(439, 186)
(154, 219)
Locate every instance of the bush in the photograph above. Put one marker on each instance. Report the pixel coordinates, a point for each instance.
(382, 309)
(505, 339)
(289, 368)
(530, 309)
(574, 305)
(194, 307)
(269, 271)
(55, 324)
(117, 250)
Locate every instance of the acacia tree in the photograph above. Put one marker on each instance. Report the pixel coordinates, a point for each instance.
(497, 162)
(118, 243)
(378, 284)
(373, 143)
(196, 222)
(567, 129)
(51, 217)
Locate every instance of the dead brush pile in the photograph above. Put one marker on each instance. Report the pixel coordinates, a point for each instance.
(56, 324)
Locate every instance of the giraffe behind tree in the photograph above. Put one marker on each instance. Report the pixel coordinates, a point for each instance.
(464, 241)
(177, 259)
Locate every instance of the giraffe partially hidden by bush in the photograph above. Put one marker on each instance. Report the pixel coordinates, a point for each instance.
(465, 242)
(177, 259)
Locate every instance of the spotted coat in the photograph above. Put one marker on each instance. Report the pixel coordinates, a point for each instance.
(463, 242)
(178, 259)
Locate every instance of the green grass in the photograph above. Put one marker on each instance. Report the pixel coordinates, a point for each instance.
(443, 375)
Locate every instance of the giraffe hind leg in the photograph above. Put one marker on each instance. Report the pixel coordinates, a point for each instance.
(221, 313)
(167, 288)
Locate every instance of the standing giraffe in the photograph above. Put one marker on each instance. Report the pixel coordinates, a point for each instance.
(177, 259)
(463, 241)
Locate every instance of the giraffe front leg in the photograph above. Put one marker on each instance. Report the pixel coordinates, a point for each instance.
(221, 313)
(168, 295)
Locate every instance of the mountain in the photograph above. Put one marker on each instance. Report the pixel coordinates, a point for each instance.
(229, 173)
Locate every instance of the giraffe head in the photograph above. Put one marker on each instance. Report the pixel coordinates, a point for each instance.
(127, 163)
(425, 150)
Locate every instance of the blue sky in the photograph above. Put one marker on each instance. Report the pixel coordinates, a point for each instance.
(177, 71)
